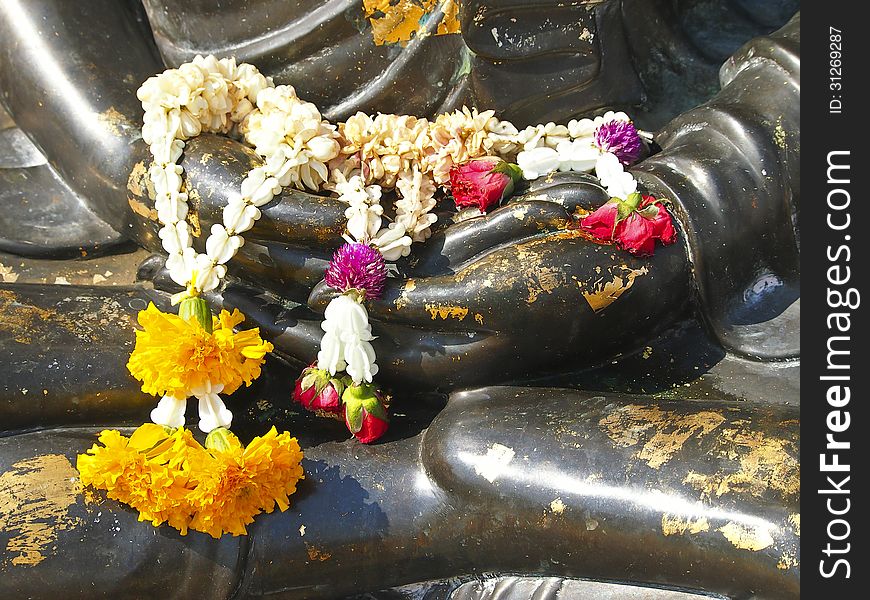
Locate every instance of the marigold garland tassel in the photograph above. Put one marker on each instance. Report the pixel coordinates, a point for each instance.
(168, 477)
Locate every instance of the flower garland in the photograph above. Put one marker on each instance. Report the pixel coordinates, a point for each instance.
(161, 470)
(170, 478)
(220, 487)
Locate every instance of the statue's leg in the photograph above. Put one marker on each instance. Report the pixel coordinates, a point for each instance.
(68, 78)
(692, 495)
(42, 216)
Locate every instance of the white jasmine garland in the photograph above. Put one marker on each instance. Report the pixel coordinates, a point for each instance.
(417, 199)
(364, 213)
(548, 148)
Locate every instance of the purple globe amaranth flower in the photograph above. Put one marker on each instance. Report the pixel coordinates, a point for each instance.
(357, 266)
(621, 139)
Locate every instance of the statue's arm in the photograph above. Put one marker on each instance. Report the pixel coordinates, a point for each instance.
(732, 166)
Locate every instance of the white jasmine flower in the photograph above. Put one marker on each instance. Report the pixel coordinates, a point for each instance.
(622, 186)
(582, 128)
(175, 238)
(213, 413)
(208, 274)
(549, 135)
(294, 138)
(323, 148)
(611, 116)
(359, 356)
(239, 217)
(392, 242)
(250, 81)
(171, 207)
(169, 411)
(221, 246)
(578, 155)
(345, 344)
(181, 266)
(502, 136)
(610, 172)
(537, 162)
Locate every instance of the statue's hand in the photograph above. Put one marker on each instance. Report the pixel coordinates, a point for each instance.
(289, 246)
(516, 292)
(520, 289)
(522, 306)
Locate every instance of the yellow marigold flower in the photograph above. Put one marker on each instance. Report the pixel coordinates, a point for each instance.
(149, 472)
(173, 356)
(109, 466)
(246, 481)
(170, 478)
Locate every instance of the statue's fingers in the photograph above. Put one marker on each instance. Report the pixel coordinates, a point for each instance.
(406, 356)
(448, 250)
(214, 168)
(570, 190)
(544, 303)
(441, 304)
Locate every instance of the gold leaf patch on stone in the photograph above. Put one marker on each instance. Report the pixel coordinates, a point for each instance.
(35, 496)
(398, 22)
(747, 537)
(677, 525)
(605, 293)
(662, 432)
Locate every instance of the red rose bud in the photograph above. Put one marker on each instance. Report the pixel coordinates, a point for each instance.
(364, 412)
(483, 182)
(633, 224)
(316, 390)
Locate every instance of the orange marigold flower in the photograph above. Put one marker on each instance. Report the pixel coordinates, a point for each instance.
(168, 477)
(246, 481)
(173, 356)
(148, 471)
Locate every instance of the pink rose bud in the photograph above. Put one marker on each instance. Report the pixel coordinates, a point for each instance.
(633, 224)
(364, 412)
(483, 182)
(316, 390)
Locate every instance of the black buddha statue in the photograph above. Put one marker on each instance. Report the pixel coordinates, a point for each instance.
(567, 478)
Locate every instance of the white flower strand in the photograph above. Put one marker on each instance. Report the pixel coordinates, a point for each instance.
(415, 155)
(345, 345)
(203, 95)
(214, 96)
(548, 148)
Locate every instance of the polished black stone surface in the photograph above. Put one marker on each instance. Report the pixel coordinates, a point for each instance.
(628, 420)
